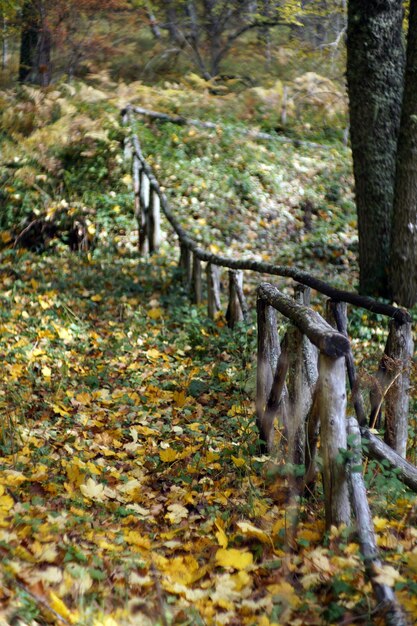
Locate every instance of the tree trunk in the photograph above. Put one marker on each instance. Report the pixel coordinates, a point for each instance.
(171, 22)
(29, 39)
(35, 45)
(4, 44)
(152, 21)
(375, 68)
(403, 266)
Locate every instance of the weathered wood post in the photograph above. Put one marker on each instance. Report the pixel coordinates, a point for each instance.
(213, 290)
(267, 359)
(332, 411)
(154, 223)
(398, 351)
(136, 172)
(144, 197)
(185, 264)
(234, 312)
(237, 278)
(302, 379)
(338, 310)
(277, 402)
(127, 143)
(196, 283)
(365, 529)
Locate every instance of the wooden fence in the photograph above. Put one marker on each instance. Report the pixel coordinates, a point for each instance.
(301, 377)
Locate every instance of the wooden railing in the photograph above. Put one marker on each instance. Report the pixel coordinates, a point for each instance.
(301, 377)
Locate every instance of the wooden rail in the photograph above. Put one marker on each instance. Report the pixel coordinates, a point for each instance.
(301, 377)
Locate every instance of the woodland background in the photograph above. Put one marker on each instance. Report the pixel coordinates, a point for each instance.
(131, 486)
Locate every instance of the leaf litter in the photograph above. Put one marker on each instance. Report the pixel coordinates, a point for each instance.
(126, 499)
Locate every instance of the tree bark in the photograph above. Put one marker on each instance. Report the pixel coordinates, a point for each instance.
(375, 71)
(4, 44)
(29, 40)
(403, 266)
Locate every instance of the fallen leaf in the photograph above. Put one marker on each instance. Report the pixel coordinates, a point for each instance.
(236, 559)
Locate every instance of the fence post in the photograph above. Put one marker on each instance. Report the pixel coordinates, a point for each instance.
(154, 222)
(185, 264)
(127, 142)
(302, 378)
(277, 402)
(196, 284)
(144, 195)
(213, 290)
(338, 311)
(396, 364)
(234, 310)
(267, 359)
(331, 405)
(136, 170)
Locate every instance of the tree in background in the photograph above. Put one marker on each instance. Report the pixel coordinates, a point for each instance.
(375, 75)
(206, 30)
(403, 263)
(382, 85)
(35, 44)
(56, 26)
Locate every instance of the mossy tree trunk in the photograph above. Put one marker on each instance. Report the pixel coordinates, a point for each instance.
(403, 266)
(375, 72)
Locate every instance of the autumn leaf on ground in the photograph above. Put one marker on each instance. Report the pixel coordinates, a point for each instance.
(93, 490)
(236, 559)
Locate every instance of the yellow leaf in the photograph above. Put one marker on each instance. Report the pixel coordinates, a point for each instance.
(380, 523)
(46, 371)
(321, 561)
(241, 580)
(61, 608)
(12, 478)
(179, 398)
(6, 236)
(83, 398)
(238, 461)
(177, 512)
(6, 503)
(183, 569)
(93, 490)
(252, 532)
(44, 552)
(59, 410)
(286, 593)
(135, 538)
(63, 333)
(412, 562)
(237, 559)
(220, 534)
(387, 575)
(153, 354)
(168, 455)
(96, 298)
(212, 456)
(155, 314)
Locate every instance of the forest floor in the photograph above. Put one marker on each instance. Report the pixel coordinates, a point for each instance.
(131, 491)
